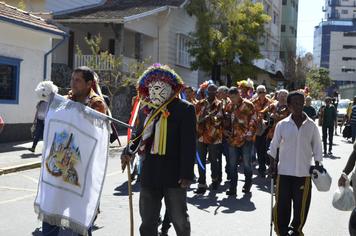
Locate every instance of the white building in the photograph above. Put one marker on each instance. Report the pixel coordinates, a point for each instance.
(272, 69)
(25, 44)
(135, 30)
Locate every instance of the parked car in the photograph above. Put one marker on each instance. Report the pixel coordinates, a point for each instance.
(342, 110)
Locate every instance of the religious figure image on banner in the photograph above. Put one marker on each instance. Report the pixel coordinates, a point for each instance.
(63, 158)
(74, 162)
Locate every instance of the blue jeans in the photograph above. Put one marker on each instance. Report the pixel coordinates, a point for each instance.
(353, 129)
(176, 205)
(234, 152)
(53, 230)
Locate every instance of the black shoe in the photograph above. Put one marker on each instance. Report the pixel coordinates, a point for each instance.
(215, 185)
(32, 149)
(163, 234)
(325, 154)
(231, 192)
(330, 153)
(200, 190)
(246, 188)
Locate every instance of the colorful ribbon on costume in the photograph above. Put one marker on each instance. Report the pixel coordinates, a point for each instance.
(133, 117)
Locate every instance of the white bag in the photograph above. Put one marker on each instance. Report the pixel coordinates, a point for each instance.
(343, 198)
(322, 180)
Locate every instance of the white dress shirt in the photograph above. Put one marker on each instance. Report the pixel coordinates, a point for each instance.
(296, 146)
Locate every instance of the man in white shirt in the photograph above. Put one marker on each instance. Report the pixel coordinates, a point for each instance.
(298, 140)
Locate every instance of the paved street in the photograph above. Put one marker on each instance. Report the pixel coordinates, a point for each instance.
(211, 215)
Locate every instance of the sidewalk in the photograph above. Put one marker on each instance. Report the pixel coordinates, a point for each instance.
(16, 157)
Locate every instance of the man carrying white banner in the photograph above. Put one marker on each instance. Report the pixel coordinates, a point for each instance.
(74, 158)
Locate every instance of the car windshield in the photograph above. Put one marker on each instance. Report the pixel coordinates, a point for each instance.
(343, 105)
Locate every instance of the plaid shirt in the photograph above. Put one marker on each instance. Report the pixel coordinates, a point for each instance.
(93, 101)
(210, 128)
(277, 113)
(242, 122)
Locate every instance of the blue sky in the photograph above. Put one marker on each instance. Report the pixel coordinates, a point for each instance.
(309, 16)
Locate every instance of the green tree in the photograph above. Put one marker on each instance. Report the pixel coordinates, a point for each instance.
(21, 5)
(115, 78)
(227, 33)
(318, 80)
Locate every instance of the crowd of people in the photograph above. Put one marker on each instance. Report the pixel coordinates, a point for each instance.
(179, 127)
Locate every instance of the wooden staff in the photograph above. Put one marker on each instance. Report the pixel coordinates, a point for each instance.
(130, 199)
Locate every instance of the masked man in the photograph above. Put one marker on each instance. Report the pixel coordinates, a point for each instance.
(167, 142)
(242, 129)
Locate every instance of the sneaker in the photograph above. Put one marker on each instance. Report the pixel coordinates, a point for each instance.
(330, 153)
(200, 190)
(31, 149)
(231, 192)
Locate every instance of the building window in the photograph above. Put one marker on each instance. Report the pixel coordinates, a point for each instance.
(344, 12)
(349, 34)
(284, 2)
(348, 70)
(183, 56)
(349, 58)
(9, 80)
(349, 46)
(275, 17)
(283, 28)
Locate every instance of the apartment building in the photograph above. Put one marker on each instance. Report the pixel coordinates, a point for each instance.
(335, 41)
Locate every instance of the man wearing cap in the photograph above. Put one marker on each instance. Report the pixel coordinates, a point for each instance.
(167, 141)
(261, 103)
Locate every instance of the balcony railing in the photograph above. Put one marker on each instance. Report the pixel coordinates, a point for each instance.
(100, 63)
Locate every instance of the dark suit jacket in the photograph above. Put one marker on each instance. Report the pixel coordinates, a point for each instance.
(178, 163)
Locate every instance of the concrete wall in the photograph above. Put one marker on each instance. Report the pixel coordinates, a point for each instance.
(29, 46)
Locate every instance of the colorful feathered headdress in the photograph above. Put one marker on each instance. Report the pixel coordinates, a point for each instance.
(158, 72)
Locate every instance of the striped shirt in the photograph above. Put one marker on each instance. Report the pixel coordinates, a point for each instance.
(353, 115)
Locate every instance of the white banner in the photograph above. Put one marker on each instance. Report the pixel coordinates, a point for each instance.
(76, 140)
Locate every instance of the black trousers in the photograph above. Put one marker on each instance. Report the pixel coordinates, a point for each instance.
(328, 130)
(215, 156)
(176, 204)
(296, 190)
(261, 149)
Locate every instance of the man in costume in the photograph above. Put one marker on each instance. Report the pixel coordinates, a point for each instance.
(83, 90)
(276, 112)
(240, 135)
(222, 95)
(167, 141)
(261, 103)
(210, 132)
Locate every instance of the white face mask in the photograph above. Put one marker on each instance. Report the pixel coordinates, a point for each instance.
(159, 92)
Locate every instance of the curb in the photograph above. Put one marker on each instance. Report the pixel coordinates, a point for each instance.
(18, 168)
(34, 165)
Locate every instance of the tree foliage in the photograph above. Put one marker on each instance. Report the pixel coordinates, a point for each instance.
(227, 34)
(318, 80)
